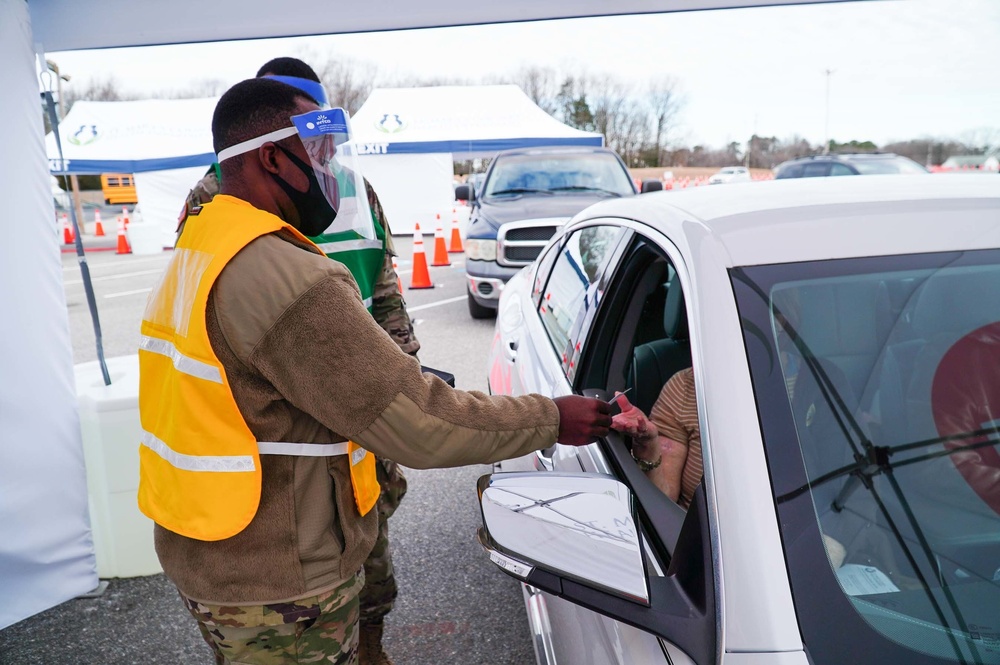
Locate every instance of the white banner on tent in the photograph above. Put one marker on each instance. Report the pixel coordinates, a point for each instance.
(46, 551)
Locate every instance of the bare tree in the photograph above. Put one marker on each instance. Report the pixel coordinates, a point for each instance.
(540, 84)
(348, 81)
(665, 103)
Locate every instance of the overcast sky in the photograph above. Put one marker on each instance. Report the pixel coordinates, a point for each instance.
(901, 68)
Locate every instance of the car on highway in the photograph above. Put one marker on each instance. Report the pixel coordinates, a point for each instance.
(862, 163)
(525, 197)
(844, 339)
(730, 174)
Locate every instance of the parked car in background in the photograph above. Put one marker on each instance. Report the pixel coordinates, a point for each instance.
(844, 339)
(730, 174)
(862, 163)
(525, 197)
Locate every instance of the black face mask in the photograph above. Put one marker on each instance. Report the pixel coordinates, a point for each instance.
(315, 211)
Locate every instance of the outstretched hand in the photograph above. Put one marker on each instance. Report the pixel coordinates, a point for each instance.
(632, 420)
(582, 420)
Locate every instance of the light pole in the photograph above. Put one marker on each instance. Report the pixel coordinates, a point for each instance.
(73, 182)
(826, 124)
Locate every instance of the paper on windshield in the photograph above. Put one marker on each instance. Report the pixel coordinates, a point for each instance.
(857, 580)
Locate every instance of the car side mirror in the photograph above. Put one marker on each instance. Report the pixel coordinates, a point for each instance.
(465, 193)
(591, 518)
(576, 536)
(651, 186)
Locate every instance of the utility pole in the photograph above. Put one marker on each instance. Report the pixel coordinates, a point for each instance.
(826, 125)
(73, 182)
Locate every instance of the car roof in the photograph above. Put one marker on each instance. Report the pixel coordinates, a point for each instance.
(799, 219)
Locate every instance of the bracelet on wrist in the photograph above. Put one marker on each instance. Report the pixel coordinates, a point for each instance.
(644, 465)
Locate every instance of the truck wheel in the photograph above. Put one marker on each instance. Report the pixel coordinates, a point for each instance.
(477, 311)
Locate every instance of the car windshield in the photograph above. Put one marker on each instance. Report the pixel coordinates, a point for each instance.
(600, 173)
(879, 394)
(887, 165)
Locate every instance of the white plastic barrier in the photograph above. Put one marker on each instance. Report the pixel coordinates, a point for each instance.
(109, 422)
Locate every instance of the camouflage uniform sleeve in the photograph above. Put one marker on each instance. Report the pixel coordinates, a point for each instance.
(203, 192)
(388, 306)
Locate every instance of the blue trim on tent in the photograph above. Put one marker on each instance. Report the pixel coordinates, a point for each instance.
(479, 145)
(130, 165)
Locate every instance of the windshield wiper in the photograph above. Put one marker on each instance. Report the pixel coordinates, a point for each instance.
(520, 190)
(875, 460)
(578, 188)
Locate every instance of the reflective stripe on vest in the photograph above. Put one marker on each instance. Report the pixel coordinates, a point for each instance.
(199, 468)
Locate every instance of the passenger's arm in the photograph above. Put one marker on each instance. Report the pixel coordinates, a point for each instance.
(650, 446)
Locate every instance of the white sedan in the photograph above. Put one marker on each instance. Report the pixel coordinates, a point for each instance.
(844, 338)
(730, 174)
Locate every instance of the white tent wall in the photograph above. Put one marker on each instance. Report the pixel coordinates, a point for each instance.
(46, 552)
(412, 189)
(161, 196)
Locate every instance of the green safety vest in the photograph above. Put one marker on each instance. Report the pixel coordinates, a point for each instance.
(364, 257)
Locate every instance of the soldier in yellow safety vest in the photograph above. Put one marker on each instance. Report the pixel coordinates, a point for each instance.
(266, 387)
(370, 263)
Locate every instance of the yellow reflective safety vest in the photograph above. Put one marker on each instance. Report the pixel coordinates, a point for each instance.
(199, 463)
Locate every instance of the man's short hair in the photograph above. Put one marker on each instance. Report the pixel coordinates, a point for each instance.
(288, 67)
(253, 108)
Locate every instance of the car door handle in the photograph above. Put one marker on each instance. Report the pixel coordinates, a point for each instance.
(510, 349)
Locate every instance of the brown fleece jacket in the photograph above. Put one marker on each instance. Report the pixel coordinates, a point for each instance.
(308, 364)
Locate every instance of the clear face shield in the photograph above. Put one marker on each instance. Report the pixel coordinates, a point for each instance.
(336, 201)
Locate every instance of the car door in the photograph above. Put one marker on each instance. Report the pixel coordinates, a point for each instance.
(570, 292)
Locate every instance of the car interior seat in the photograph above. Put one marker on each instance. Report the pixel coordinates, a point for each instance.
(653, 363)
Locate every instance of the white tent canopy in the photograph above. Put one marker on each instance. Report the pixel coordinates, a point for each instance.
(410, 137)
(134, 137)
(462, 120)
(48, 554)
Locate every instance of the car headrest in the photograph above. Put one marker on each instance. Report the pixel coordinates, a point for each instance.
(674, 313)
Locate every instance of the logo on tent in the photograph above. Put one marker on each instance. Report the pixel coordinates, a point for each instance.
(390, 124)
(85, 135)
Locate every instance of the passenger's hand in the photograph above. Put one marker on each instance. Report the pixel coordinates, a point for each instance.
(582, 420)
(633, 421)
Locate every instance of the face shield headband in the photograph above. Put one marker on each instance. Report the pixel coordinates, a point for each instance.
(312, 88)
(319, 132)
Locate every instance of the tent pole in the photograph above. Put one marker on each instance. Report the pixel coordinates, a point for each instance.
(88, 286)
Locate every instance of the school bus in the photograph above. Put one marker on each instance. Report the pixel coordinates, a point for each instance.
(118, 188)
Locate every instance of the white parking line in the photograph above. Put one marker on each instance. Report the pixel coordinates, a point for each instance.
(121, 276)
(435, 304)
(128, 293)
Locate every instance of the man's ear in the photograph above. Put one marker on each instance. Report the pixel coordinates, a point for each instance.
(267, 154)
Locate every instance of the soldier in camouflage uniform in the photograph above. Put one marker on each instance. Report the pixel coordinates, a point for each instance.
(380, 590)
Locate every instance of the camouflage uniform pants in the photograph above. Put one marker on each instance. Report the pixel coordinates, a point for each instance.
(319, 629)
(380, 590)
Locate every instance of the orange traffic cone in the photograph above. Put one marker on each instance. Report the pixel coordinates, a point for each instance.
(440, 249)
(395, 269)
(421, 277)
(98, 226)
(68, 236)
(456, 235)
(123, 246)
